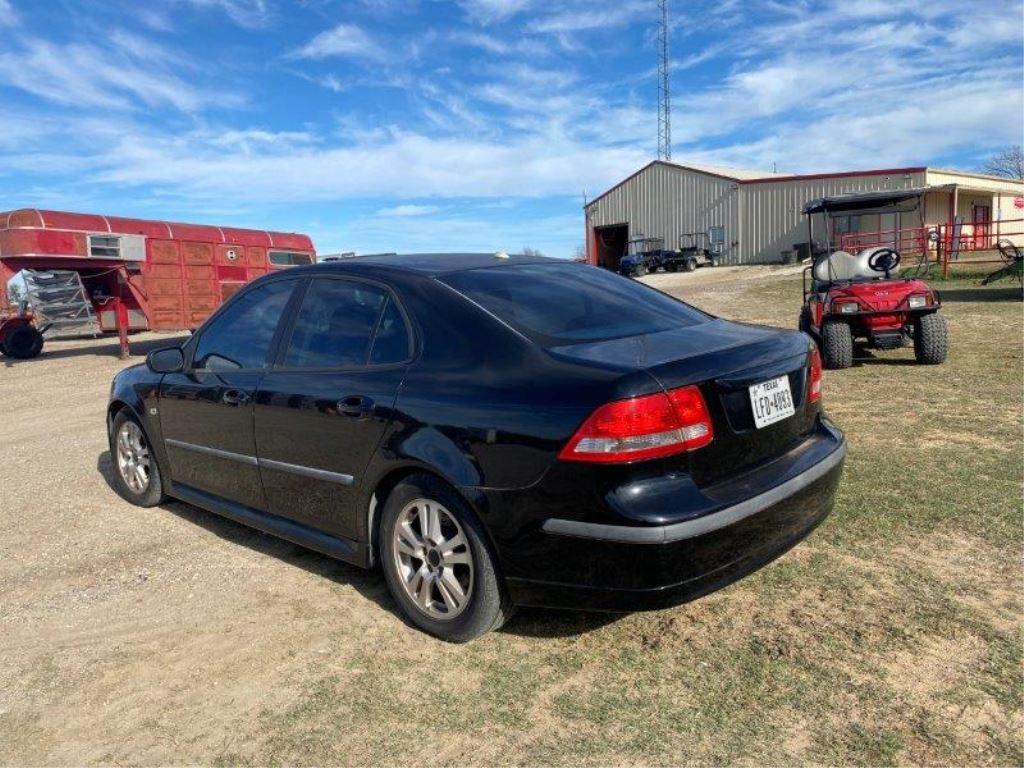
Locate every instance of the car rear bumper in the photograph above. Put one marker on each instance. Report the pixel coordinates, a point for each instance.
(642, 567)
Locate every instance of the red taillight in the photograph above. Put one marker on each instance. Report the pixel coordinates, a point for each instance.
(814, 388)
(645, 427)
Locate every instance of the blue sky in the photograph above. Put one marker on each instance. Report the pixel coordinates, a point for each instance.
(474, 125)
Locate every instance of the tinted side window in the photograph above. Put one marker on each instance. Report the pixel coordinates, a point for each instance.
(335, 324)
(391, 344)
(240, 336)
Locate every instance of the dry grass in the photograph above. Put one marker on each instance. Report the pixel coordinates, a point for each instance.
(892, 635)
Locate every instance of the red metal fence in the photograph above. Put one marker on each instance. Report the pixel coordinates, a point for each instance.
(959, 243)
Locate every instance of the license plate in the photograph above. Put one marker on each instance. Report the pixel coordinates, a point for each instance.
(771, 401)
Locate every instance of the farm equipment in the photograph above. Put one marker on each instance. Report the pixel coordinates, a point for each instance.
(643, 255)
(862, 296)
(694, 251)
(1013, 263)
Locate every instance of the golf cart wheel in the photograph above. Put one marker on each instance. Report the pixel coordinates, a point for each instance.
(931, 339)
(438, 562)
(23, 342)
(715, 261)
(836, 344)
(804, 324)
(689, 265)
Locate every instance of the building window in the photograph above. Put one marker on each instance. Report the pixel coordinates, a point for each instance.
(716, 236)
(845, 225)
(289, 258)
(105, 247)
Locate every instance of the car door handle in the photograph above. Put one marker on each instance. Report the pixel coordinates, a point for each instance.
(355, 406)
(234, 397)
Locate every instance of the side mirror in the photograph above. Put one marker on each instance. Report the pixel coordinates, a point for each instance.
(166, 360)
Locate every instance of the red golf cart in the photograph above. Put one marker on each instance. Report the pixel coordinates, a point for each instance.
(860, 294)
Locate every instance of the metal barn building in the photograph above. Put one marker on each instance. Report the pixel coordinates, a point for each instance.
(753, 216)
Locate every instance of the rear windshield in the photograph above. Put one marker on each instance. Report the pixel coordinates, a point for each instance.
(556, 304)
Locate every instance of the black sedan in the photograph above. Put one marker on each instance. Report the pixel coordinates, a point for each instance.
(490, 431)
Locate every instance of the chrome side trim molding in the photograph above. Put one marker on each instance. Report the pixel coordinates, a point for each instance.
(689, 529)
(217, 452)
(280, 466)
(312, 472)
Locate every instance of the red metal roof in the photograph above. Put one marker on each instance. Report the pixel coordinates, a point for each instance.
(35, 218)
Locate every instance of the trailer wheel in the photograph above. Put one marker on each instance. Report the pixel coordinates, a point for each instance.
(23, 342)
(931, 339)
(836, 344)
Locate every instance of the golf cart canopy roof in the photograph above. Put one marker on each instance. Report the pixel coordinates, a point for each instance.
(867, 201)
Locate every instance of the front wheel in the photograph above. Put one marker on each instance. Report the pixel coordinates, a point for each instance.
(136, 474)
(836, 344)
(689, 265)
(804, 324)
(438, 563)
(931, 339)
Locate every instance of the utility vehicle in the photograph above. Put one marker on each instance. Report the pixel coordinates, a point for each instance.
(860, 294)
(643, 255)
(694, 251)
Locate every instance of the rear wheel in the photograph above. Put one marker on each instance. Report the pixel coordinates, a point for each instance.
(836, 344)
(438, 563)
(23, 342)
(689, 265)
(931, 339)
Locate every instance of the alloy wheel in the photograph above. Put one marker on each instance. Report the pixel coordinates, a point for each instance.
(433, 560)
(133, 457)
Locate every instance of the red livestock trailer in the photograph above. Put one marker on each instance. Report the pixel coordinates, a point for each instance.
(139, 274)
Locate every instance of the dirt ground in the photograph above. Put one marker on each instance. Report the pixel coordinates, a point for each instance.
(892, 635)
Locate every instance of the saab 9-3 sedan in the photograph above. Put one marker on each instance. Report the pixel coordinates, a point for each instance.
(489, 431)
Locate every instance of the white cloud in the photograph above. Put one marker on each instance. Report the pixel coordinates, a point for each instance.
(121, 74)
(342, 40)
(594, 15)
(8, 18)
(488, 11)
(405, 211)
(250, 14)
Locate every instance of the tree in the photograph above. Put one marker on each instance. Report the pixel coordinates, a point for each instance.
(1008, 163)
(528, 251)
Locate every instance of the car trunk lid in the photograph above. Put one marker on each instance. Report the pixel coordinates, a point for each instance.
(723, 359)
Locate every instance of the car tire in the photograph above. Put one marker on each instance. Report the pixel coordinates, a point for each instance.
(420, 584)
(137, 477)
(23, 342)
(931, 339)
(836, 344)
(689, 265)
